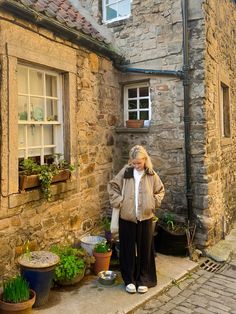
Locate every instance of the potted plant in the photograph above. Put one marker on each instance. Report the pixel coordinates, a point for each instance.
(33, 175)
(38, 268)
(102, 253)
(171, 237)
(106, 224)
(16, 297)
(71, 268)
(132, 123)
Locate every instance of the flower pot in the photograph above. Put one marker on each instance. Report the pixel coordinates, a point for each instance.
(18, 308)
(72, 281)
(102, 261)
(171, 243)
(32, 181)
(37, 268)
(134, 123)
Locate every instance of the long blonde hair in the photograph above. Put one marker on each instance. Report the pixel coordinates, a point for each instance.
(139, 151)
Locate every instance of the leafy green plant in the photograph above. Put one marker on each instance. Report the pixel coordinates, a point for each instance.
(168, 219)
(46, 172)
(15, 290)
(72, 262)
(106, 223)
(102, 247)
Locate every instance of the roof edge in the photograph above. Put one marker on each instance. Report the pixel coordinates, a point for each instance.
(61, 30)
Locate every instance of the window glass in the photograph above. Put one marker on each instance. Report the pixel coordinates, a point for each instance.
(36, 82)
(132, 104)
(51, 86)
(51, 111)
(133, 115)
(116, 9)
(36, 109)
(143, 91)
(23, 108)
(22, 77)
(143, 103)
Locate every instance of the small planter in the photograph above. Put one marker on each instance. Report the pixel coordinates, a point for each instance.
(18, 308)
(102, 261)
(38, 268)
(32, 181)
(134, 123)
(73, 281)
(170, 242)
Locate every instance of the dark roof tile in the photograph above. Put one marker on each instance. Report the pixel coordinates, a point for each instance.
(64, 13)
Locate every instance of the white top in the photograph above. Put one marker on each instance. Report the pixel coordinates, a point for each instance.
(137, 178)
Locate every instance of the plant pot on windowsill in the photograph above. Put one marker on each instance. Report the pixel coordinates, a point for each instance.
(32, 181)
(134, 123)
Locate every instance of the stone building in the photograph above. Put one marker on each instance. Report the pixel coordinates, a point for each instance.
(72, 73)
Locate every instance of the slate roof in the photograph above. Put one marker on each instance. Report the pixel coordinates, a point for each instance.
(65, 13)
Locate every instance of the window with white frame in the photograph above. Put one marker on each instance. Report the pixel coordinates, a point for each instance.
(224, 110)
(137, 102)
(114, 10)
(40, 121)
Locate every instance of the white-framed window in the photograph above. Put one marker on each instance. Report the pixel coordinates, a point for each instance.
(40, 114)
(224, 110)
(114, 10)
(137, 102)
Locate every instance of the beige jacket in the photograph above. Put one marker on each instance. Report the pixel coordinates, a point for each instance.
(151, 193)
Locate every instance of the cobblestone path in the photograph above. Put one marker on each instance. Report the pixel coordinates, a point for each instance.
(201, 292)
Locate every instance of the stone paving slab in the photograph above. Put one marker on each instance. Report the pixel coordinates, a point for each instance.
(91, 297)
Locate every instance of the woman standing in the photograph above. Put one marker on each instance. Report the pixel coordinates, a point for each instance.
(136, 191)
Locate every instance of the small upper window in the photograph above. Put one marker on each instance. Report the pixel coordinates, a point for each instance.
(114, 10)
(137, 102)
(224, 110)
(40, 121)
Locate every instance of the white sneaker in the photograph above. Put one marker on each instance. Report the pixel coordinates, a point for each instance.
(142, 289)
(130, 288)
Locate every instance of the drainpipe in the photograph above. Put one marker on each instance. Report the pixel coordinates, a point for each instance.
(189, 195)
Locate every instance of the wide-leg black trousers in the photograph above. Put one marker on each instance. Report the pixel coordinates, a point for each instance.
(137, 256)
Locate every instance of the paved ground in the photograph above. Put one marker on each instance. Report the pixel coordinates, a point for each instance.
(202, 292)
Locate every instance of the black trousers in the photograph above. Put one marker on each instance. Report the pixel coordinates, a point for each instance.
(137, 257)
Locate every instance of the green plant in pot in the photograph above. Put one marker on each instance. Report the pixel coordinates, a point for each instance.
(106, 224)
(102, 253)
(72, 265)
(16, 297)
(33, 174)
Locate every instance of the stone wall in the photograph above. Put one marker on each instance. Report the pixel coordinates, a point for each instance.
(220, 66)
(91, 113)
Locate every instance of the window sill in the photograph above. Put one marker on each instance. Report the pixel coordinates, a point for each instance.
(132, 130)
(58, 190)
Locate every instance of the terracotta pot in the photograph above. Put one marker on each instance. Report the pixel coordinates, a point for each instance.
(18, 308)
(102, 261)
(32, 181)
(134, 123)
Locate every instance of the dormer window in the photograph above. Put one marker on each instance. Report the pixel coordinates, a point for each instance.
(115, 10)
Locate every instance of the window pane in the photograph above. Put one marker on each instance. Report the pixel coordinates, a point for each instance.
(22, 80)
(143, 91)
(144, 115)
(21, 153)
(111, 1)
(123, 8)
(34, 135)
(132, 92)
(143, 103)
(132, 104)
(51, 86)
(111, 12)
(48, 134)
(133, 115)
(52, 114)
(36, 83)
(36, 109)
(21, 136)
(34, 152)
(22, 107)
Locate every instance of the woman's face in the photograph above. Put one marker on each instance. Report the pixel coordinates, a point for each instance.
(138, 163)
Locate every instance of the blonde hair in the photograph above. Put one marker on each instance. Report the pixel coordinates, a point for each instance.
(138, 152)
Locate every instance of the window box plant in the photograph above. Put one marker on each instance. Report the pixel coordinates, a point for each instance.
(34, 175)
(134, 123)
(72, 265)
(16, 297)
(102, 253)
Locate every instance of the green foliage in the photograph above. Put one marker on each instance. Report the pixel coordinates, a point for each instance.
(168, 219)
(106, 223)
(102, 247)
(46, 172)
(71, 262)
(15, 290)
